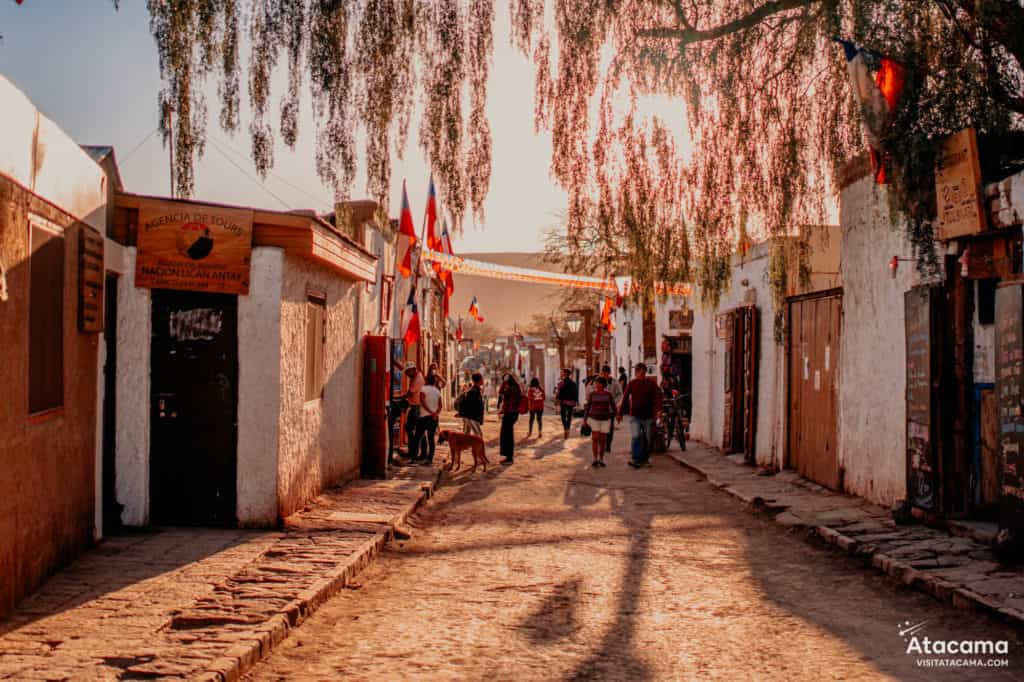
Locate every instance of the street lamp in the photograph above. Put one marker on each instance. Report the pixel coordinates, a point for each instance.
(574, 323)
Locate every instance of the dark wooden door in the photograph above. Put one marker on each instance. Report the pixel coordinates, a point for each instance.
(194, 408)
(741, 366)
(111, 508)
(813, 358)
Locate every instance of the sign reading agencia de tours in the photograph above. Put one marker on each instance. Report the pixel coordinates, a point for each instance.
(196, 248)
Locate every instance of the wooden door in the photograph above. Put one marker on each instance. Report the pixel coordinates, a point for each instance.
(739, 429)
(813, 360)
(194, 408)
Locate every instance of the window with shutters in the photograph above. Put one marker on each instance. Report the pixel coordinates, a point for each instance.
(316, 345)
(46, 318)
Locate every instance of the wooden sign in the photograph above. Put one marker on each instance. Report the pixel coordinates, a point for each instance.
(680, 319)
(958, 186)
(1009, 387)
(194, 247)
(90, 281)
(922, 469)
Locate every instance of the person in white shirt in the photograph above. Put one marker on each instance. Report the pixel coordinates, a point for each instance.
(426, 426)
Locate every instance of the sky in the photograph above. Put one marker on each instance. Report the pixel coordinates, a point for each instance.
(94, 72)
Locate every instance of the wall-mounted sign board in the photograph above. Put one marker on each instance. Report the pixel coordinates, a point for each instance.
(90, 281)
(680, 319)
(1009, 389)
(958, 186)
(193, 247)
(923, 472)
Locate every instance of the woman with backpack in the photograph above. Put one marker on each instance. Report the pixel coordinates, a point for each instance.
(535, 398)
(511, 400)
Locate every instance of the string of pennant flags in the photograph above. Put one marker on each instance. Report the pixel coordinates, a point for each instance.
(436, 249)
(478, 268)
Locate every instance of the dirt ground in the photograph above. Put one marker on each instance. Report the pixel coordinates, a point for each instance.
(551, 570)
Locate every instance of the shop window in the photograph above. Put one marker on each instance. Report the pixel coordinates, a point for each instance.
(987, 301)
(46, 320)
(316, 344)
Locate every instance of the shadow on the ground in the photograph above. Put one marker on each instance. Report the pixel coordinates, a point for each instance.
(140, 554)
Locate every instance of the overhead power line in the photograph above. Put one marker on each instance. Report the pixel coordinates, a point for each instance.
(246, 173)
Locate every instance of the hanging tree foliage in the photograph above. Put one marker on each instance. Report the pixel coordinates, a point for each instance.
(764, 90)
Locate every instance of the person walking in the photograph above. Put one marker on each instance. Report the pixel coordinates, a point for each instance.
(536, 396)
(642, 402)
(412, 394)
(566, 396)
(426, 427)
(508, 400)
(623, 379)
(471, 407)
(598, 414)
(615, 389)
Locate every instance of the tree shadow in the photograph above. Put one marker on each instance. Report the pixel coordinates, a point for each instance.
(555, 617)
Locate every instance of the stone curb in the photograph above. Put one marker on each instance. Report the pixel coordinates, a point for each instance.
(939, 588)
(241, 658)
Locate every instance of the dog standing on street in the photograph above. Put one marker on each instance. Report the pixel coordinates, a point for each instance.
(457, 442)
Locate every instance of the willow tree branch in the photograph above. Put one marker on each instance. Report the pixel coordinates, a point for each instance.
(687, 34)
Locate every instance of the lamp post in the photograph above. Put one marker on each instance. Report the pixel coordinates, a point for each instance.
(588, 331)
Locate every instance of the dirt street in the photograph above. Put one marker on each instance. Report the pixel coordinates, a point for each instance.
(551, 570)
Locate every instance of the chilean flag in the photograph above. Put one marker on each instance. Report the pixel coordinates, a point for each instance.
(606, 314)
(446, 275)
(406, 235)
(878, 96)
(433, 240)
(411, 320)
(474, 311)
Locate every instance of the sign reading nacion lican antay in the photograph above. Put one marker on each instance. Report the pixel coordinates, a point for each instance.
(193, 247)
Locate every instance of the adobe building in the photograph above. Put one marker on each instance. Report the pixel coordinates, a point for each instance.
(52, 216)
(239, 360)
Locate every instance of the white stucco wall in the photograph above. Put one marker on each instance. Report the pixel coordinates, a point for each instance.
(623, 354)
(984, 348)
(259, 389)
(872, 366)
(134, 328)
(709, 357)
(320, 441)
(40, 156)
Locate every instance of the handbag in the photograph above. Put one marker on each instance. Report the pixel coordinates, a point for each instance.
(585, 429)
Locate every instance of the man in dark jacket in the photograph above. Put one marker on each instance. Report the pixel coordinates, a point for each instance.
(471, 407)
(642, 402)
(566, 396)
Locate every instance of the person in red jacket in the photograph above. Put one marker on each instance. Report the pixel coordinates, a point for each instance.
(535, 396)
(642, 402)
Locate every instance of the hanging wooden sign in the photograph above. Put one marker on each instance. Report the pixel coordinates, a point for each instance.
(958, 186)
(90, 281)
(195, 247)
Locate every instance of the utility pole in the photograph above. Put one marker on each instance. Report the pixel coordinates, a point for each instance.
(168, 114)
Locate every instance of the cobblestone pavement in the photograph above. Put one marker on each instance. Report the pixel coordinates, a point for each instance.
(961, 569)
(551, 570)
(186, 603)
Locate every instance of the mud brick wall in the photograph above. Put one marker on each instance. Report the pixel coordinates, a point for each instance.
(47, 482)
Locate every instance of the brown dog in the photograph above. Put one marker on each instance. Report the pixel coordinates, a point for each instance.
(457, 442)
